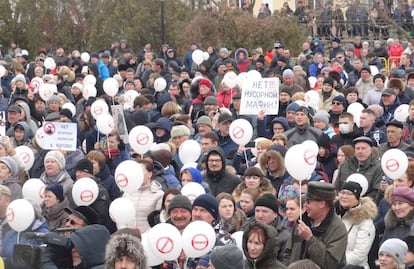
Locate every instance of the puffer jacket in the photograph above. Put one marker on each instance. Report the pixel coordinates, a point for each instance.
(268, 258)
(361, 231)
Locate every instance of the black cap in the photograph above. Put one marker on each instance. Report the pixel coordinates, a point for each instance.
(268, 200)
(394, 123)
(84, 165)
(86, 213)
(303, 109)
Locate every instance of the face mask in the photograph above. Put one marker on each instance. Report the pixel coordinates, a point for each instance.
(344, 128)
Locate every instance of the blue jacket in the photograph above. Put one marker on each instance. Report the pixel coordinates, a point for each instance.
(108, 181)
(103, 70)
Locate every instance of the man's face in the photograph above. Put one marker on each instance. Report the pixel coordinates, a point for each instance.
(358, 65)
(214, 163)
(348, 122)
(388, 100)
(224, 128)
(74, 222)
(301, 118)
(305, 46)
(264, 214)
(284, 97)
(200, 213)
(203, 128)
(362, 151)
(288, 81)
(180, 217)
(366, 120)
(313, 208)
(394, 134)
(179, 140)
(290, 116)
(125, 262)
(207, 144)
(80, 174)
(13, 116)
(326, 87)
(365, 75)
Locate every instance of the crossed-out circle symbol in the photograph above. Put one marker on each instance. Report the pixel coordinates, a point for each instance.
(25, 157)
(10, 215)
(86, 196)
(122, 180)
(199, 242)
(97, 110)
(392, 165)
(142, 139)
(238, 132)
(309, 157)
(164, 245)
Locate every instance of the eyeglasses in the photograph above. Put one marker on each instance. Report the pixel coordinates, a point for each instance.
(214, 160)
(336, 103)
(72, 222)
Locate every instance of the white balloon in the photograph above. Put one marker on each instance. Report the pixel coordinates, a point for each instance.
(152, 259)
(164, 240)
(40, 138)
(2, 71)
(35, 84)
(141, 139)
(361, 180)
(46, 90)
(312, 98)
(241, 78)
(89, 80)
(394, 163)
(374, 70)
(20, 215)
(98, 108)
(49, 63)
(85, 191)
(85, 57)
(312, 82)
(253, 75)
(197, 56)
(206, 56)
(241, 131)
(300, 162)
(198, 238)
(26, 155)
(129, 176)
(311, 145)
(110, 86)
(105, 123)
(130, 96)
(230, 79)
(192, 190)
(189, 151)
(401, 113)
(71, 107)
(160, 84)
(33, 189)
(238, 237)
(122, 212)
(355, 109)
(89, 90)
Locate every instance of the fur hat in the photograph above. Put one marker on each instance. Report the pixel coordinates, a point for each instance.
(163, 156)
(227, 257)
(180, 201)
(11, 164)
(125, 245)
(58, 157)
(179, 130)
(395, 83)
(396, 248)
(208, 202)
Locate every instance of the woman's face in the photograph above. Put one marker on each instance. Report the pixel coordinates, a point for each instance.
(147, 174)
(226, 209)
(255, 245)
(95, 166)
(402, 182)
(168, 200)
(4, 171)
(352, 97)
(292, 210)
(246, 202)
(51, 167)
(401, 209)
(50, 199)
(386, 261)
(185, 178)
(252, 181)
(340, 157)
(347, 199)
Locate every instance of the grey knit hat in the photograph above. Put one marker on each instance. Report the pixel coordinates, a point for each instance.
(180, 201)
(322, 115)
(227, 257)
(396, 248)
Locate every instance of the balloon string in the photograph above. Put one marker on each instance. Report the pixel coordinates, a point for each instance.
(107, 144)
(97, 134)
(300, 200)
(245, 157)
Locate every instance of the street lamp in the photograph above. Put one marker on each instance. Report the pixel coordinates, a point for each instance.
(162, 22)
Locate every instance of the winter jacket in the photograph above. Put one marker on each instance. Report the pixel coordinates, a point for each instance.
(72, 159)
(108, 181)
(264, 187)
(56, 216)
(228, 145)
(371, 169)
(298, 135)
(62, 178)
(268, 258)
(386, 146)
(15, 186)
(326, 105)
(145, 200)
(389, 111)
(326, 247)
(397, 227)
(125, 244)
(90, 242)
(221, 181)
(346, 139)
(361, 231)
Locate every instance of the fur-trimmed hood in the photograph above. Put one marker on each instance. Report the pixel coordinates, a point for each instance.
(366, 209)
(264, 187)
(125, 245)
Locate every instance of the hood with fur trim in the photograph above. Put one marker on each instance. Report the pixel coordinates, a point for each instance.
(366, 209)
(125, 245)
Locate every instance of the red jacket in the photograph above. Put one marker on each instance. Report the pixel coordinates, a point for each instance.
(224, 98)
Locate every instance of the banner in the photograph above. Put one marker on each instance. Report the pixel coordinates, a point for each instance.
(258, 95)
(60, 135)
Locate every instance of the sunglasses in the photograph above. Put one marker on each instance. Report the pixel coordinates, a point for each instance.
(336, 103)
(72, 222)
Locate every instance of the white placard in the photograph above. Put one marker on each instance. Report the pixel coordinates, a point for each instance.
(3, 121)
(260, 95)
(60, 135)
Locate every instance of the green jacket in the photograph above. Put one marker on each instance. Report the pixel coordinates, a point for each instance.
(326, 247)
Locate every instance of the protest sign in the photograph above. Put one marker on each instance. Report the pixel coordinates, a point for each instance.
(258, 95)
(60, 135)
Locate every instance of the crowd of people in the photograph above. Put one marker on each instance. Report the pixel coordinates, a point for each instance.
(324, 221)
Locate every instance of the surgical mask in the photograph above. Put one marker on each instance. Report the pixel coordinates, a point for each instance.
(344, 128)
